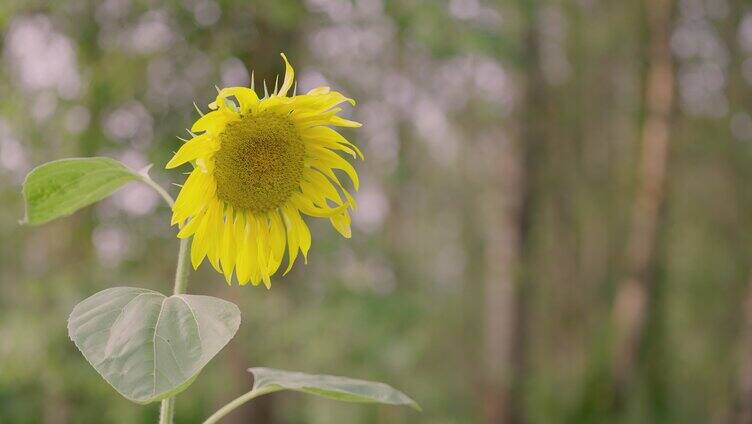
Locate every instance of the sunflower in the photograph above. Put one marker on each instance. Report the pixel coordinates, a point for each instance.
(259, 164)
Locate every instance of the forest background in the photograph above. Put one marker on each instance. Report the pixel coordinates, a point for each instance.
(554, 223)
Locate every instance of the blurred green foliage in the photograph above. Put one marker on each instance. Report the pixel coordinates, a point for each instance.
(437, 82)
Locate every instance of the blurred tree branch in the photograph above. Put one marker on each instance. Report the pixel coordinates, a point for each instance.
(630, 310)
(507, 206)
(743, 408)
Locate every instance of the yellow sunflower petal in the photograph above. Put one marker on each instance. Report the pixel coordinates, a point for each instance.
(318, 91)
(319, 195)
(191, 150)
(278, 241)
(211, 122)
(305, 205)
(247, 98)
(292, 241)
(341, 222)
(214, 229)
(243, 258)
(201, 238)
(328, 137)
(190, 228)
(342, 122)
(327, 159)
(260, 226)
(301, 229)
(289, 76)
(227, 250)
(193, 197)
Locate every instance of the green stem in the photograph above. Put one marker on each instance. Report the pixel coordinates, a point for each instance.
(162, 192)
(236, 403)
(167, 409)
(182, 270)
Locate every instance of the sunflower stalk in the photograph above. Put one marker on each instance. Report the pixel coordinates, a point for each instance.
(242, 217)
(236, 403)
(167, 408)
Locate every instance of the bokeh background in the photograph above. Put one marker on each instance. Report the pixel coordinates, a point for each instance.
(555, 219)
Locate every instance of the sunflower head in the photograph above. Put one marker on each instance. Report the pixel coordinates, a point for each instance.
(259, 166)
(260, 163)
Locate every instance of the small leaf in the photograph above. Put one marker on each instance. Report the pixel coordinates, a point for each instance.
(61, 187)
(149, 346)
(329, 386)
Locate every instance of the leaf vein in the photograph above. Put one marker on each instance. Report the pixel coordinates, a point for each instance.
(154, 343)
(198, 327)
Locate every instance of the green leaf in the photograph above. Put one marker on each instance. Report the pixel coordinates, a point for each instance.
(149, 346)
(269, 380)
(61, 187)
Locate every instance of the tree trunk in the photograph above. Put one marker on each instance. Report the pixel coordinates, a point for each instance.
(507, 205)
(630, 308)
(261, 410)
(502, 206)
(741, 409)
(744, 396)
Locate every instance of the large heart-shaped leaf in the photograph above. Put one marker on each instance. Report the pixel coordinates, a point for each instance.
(149, 346)
(269, 380)
(64, 186)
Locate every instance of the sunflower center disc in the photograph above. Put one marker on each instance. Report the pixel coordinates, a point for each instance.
(260, 162)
